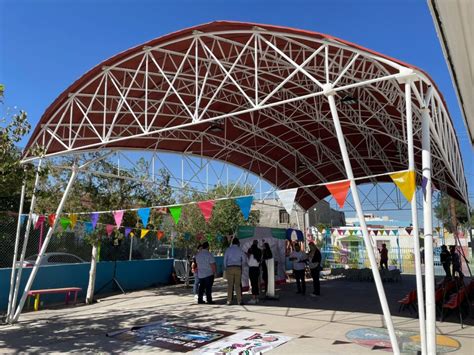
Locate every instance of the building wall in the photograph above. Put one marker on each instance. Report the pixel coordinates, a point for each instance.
(270, 215)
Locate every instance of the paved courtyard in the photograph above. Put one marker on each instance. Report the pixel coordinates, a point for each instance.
(316, 325)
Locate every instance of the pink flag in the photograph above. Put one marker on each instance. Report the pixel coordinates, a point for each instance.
(40, 221)
(206, 208)
(118, 215)
(109, 229)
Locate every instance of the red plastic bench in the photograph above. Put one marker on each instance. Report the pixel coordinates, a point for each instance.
(67, 290)
(408, 301)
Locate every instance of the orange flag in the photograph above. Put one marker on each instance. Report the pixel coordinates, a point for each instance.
(160, 234)
(339, 191)
(51, 219)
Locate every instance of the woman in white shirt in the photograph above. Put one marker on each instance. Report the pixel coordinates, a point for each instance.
(299, 259)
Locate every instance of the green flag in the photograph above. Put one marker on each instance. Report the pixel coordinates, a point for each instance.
(65, 222)
(176, 213)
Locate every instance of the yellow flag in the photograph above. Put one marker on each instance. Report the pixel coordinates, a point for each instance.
(143, 233)
(405, 182)
(73, 219)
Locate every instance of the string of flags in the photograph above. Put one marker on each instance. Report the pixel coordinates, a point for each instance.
(404, 180)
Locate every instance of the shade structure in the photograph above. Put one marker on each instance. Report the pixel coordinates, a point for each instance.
(253, 95)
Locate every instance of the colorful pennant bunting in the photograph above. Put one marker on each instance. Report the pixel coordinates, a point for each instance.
(187, 236)
(287, 198)
(339, 191)
(376, 232)
(245, 204)
(175, 212)
(206, 208)
(23, 219)
(118, 216)
(88, 227)
(405, 181)
(160, 235)
(65, 222)
(73, 219)
(40, 221)
(127, 231)
(51, 219)
(144, 214)
(409, 229)
(94, 219)
(109, 228)
(143, 233)
(395, 232)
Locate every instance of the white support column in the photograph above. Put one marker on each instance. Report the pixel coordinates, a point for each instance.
(428, 228)
(15, 251)
(414, 217)
(360, 215)
(25, 243)
(31, 279)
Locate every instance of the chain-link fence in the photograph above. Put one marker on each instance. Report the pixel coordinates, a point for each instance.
(75, 242)
(357, 258)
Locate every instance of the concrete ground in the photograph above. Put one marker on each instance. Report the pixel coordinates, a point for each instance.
(314, 324)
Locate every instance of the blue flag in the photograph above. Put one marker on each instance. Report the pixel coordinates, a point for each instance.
(245, 203)
(144, 214)
(89, 227)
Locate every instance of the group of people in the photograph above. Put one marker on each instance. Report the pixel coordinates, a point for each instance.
(450, 258)
(300, 260)
(256, 259)
(204, 269)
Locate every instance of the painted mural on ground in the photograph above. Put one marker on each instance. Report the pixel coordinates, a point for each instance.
(170, 336)
(244, 343)
(378, 338)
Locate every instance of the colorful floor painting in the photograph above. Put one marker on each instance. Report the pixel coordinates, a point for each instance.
(244, 343)
(378, 339)
(170, 336)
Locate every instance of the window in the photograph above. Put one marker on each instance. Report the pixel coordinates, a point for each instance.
(284, 217)
(63, 259)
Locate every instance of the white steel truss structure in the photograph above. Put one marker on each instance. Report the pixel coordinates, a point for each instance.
(295, 108)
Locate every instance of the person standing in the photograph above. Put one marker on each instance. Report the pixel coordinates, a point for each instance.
(456, 261)
(254, 259)
(383, 256)
(299, 259)
(195, 273)
(206, 265)
(267, 255)
(233, 260)
(445, 259)
(314, 258)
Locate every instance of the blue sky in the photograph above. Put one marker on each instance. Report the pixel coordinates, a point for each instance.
(46, 45)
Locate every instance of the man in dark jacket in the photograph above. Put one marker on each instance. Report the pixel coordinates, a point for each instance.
(456, 261)
(445, 259)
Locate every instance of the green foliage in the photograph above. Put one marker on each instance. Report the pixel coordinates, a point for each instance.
(442, 211)
(226, 217)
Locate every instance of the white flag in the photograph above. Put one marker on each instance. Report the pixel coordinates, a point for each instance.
(287, 198)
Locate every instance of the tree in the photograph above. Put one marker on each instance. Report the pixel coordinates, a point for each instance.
(443, 212)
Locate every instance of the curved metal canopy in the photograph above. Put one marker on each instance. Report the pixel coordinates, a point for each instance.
(254, 96)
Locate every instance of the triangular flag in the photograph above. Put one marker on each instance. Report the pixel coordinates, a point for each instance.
(199, 236)
(187, 236)
(51, 219)
(176, 213)
(376, 232)
(118, 215)
(287, 198)
(109, 228)
(437, 229)
(40, 221)
(245, 203)
(132, 234)
(127, 231)
(88, 227)
(206, 208)
(94, 219)
(340, 231)
(395, 232)
(144, 214)
(424, 183)
(339, 191)
(409, 229)
(351, 232)
(65, 222)
(143, 232)
(160, 234)
(23, 218)
(405, 181)
(73, 219)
